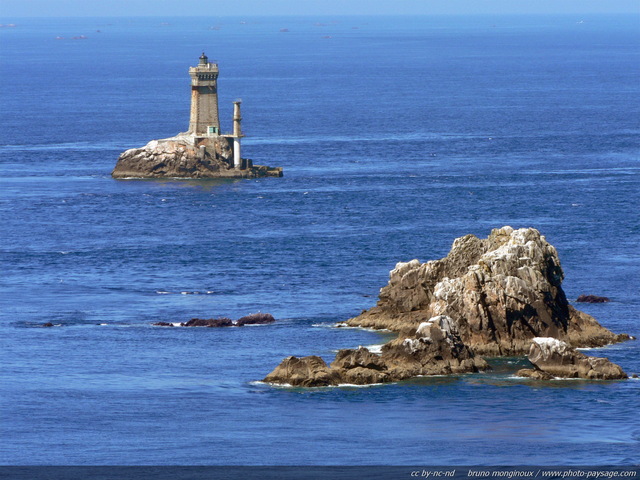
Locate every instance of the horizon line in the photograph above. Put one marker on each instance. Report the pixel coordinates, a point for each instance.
(351, 15)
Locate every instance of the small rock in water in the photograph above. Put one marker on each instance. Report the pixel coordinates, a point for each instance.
(253, 319)
(592, 299)
(557, 358)
(210, 322)
(256, 319)
(48, 324)
(311, 371)
(533, 373)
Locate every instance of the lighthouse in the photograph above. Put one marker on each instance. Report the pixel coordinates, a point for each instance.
(203, 151)
(204, 118)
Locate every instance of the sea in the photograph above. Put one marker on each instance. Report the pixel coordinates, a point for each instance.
(396, 135)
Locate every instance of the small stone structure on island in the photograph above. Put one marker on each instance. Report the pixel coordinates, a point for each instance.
(201, 152)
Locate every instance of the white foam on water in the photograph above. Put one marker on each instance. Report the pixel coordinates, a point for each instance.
(162, 292)
(326, 325)
(353, 385)
(366, 329)
(572, 379)
(341, 385)
(277, 385)
(376, 349)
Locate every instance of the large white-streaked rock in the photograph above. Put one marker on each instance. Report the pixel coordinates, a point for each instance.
(500, 292)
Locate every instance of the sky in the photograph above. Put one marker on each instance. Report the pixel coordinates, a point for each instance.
(80, 8)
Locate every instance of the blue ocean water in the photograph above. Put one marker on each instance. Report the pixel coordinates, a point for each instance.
(396, 135)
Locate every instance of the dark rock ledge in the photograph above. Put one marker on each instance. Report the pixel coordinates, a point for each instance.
(488, 297)
(253, 319)
(592, 299)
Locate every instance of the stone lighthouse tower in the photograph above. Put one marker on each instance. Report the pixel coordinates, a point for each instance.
(202, 151)
(204, 118)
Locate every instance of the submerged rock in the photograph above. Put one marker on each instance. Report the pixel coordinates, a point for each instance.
(47, 325)
(187, 156)
(163, 324)
(556, 358)
(592, 299)
(501, 292)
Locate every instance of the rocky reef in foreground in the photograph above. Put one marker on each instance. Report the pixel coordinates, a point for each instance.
(188, 156)
(436, 349)
(488, 297)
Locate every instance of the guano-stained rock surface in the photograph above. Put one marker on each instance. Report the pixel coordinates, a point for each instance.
(501, 292)
(187, 156)
(488, 297)
(553, 358)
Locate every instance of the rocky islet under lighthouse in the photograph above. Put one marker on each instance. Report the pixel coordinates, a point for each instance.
(201, 152)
